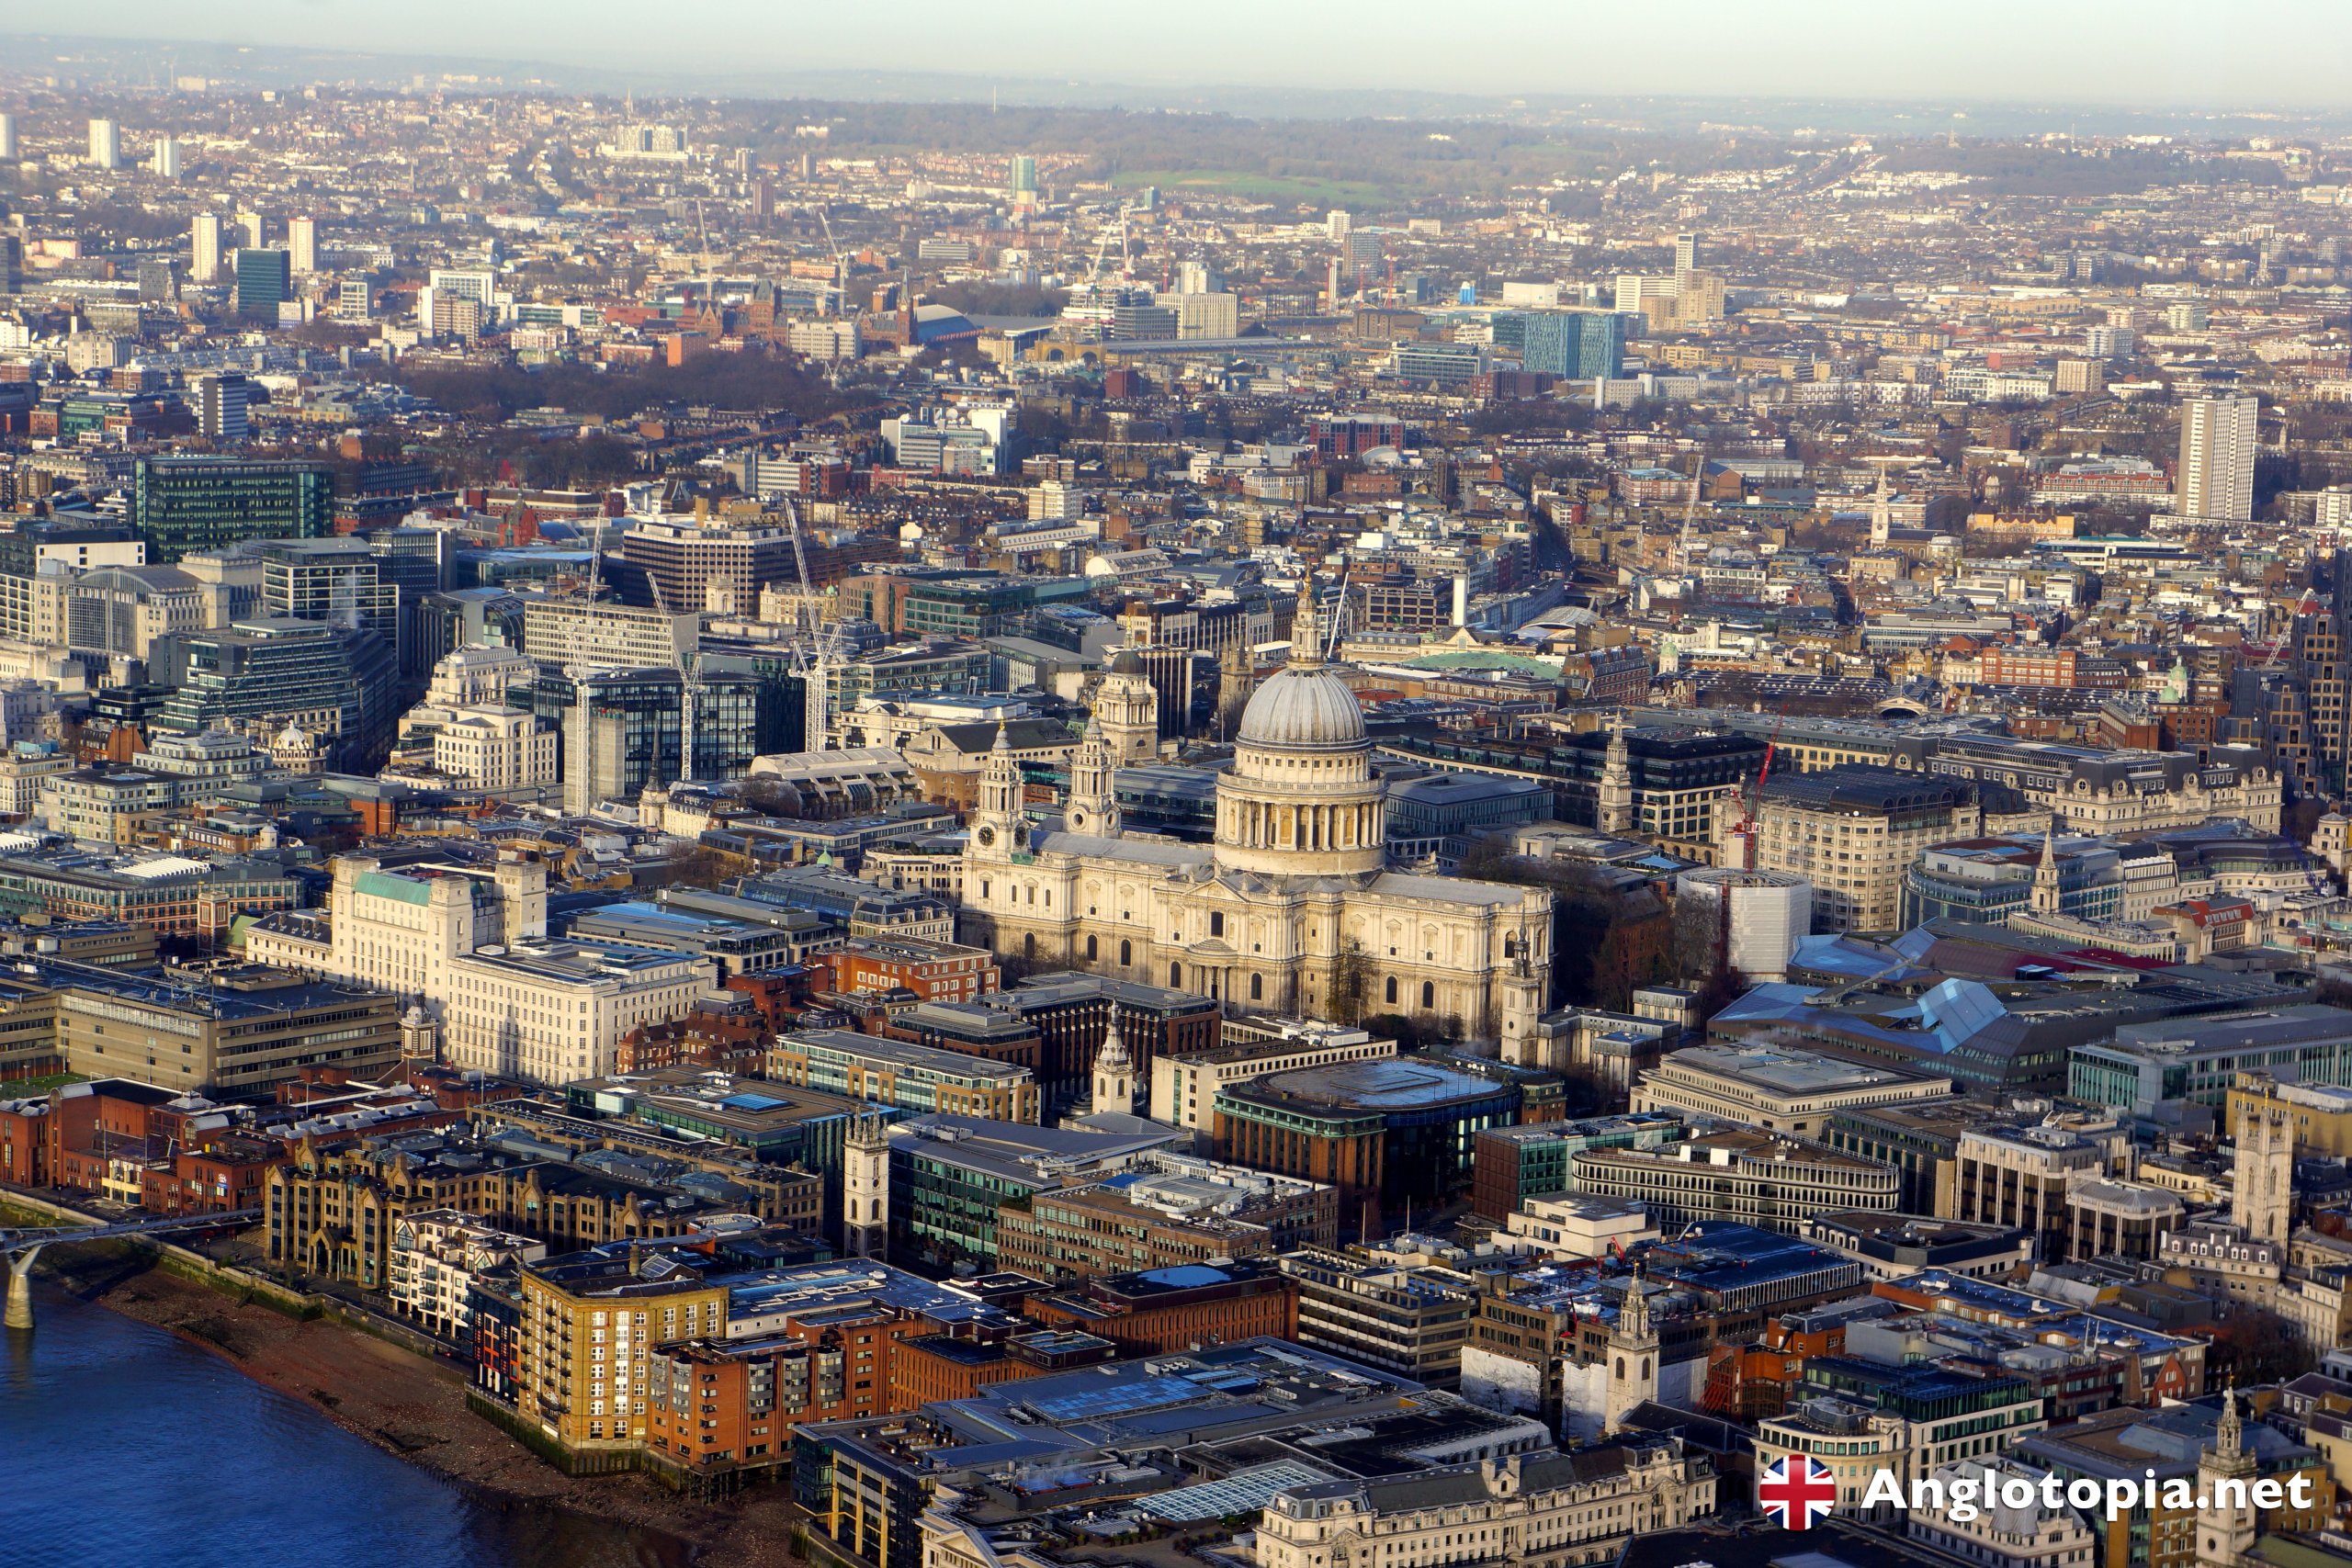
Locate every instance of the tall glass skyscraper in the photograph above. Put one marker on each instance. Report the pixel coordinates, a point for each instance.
(1571, 344)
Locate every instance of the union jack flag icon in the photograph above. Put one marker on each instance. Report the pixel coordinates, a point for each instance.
(1795, 1489)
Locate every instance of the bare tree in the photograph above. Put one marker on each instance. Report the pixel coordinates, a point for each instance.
(1350, 977)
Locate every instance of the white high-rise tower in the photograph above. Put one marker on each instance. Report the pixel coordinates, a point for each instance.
(2216, 473)
(166, 159)
(105, 144)
(204, 237)
(302, 239)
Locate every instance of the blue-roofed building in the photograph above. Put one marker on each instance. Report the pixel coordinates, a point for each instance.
(2167, 1365)
(733, 947)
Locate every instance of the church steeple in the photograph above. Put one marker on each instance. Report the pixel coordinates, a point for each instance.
(1114, 1075)
(1633, 1356)
(1633, 1321)
(2228, 1524)
(1616, 814)
(1235, 681)
(2229, 1432)
(2048, 897)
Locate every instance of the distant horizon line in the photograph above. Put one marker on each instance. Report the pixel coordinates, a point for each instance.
(970, 86)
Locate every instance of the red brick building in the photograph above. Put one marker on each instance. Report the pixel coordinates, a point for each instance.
(1163, 1310)
(227, 1173)
(933, 971)
(958, 1365)
(24, 1141)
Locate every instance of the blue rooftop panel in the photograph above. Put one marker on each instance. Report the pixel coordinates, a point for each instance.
(1187, 1276)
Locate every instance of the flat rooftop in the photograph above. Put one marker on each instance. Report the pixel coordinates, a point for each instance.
(905, 1056)
(1784, 1072)
(1394, 1084)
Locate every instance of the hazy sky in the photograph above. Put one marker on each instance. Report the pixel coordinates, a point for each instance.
(2288, 53)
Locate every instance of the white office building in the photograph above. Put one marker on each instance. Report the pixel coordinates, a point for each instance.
(496, 748)
(401, 930)
(552, 1013)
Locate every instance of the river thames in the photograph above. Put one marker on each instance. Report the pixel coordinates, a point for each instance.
(124, 1447)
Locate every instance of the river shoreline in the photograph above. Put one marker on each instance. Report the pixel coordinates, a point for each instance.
(415, 1410)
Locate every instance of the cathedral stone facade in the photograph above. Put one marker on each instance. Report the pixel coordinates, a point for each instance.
(1292, 907)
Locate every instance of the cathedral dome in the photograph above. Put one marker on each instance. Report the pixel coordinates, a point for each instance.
(1303, 708)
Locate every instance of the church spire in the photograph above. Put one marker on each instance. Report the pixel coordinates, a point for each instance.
(2047, 897)
(1633, 1318)
(1616, 802)
(2229, 1432)
(1632, 1357)
(1115, 1074)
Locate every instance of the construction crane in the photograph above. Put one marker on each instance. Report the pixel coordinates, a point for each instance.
(2304, 606)
(596, 558)
(1338, 617)
(709, 285)
(841, 261)
(1690, 510)
(817, 671)
(1742, 835)
(1102, 245)
(690, 676)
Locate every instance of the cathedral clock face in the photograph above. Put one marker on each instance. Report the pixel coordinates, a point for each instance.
(985, 837)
